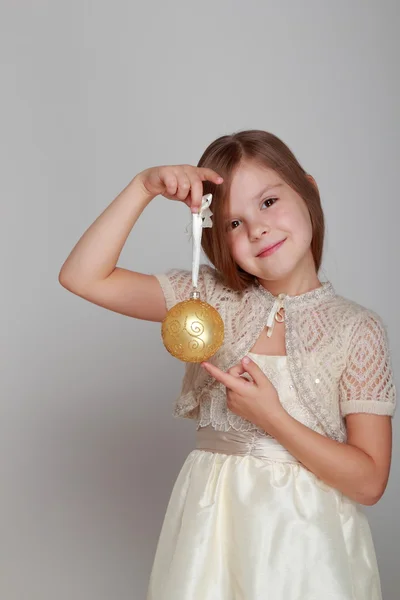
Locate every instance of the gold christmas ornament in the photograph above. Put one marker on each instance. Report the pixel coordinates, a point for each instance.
(193, 330)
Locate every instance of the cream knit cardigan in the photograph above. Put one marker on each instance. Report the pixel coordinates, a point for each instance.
(337, 352)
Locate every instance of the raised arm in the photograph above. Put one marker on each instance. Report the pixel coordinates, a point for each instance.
(90, 270)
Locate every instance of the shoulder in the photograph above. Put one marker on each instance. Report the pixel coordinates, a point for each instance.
(359, 311)
(359, 321)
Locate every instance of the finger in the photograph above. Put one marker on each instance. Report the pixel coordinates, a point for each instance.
(196, 193)
(183, 186)
(235, 384)
(253, 370)
(209, 175)
(237, 370)
(171, 184)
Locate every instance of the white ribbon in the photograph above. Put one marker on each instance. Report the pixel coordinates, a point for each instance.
(200, 220)
(277, 305)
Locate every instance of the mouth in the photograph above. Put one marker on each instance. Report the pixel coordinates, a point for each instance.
(270, 249)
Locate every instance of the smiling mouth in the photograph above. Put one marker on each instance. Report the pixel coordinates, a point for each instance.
(271, 249)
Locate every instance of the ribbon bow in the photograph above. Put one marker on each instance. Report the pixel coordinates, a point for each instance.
(275, 314)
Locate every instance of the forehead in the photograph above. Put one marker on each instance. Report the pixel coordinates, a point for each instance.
(249, 181)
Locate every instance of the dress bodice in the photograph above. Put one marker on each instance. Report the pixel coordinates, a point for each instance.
(277, 370)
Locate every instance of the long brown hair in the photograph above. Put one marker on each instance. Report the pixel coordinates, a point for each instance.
(224, 156)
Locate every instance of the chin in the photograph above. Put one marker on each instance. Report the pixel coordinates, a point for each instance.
(272, 276)
(265, 274)
(277, 274)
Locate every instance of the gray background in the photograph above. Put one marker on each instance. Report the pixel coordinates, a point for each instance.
(92, 93)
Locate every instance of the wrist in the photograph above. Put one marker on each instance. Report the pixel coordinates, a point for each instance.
(140, 190)
(274, 419)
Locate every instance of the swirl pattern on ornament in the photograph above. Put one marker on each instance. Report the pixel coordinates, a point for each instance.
(192, 331)
(195, 328)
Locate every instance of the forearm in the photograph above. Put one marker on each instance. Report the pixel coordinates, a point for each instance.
(340, 465)
(96, 254)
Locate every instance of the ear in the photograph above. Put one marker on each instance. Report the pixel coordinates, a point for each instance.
(311, 178)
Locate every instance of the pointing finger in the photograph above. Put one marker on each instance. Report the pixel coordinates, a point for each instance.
(236, 384)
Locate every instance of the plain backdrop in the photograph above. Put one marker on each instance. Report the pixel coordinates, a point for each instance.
(91, 94)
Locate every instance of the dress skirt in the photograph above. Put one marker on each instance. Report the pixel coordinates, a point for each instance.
(247, 521)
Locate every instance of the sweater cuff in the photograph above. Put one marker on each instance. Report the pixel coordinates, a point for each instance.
(376, 407)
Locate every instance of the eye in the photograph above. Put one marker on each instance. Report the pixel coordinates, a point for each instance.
(233, 224)
(271, 200)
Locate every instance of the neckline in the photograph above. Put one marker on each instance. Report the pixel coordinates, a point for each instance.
(326, 290)
(267, 355)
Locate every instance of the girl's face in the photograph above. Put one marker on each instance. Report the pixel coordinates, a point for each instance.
(262, 211)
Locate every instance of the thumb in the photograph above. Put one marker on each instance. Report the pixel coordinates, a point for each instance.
(253, 369)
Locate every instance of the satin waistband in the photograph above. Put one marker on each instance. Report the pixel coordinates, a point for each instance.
(241, 443)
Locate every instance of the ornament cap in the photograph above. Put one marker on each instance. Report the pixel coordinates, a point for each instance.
(195, 295)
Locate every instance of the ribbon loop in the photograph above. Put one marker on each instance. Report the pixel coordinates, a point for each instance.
(199, 221)
(274, 312)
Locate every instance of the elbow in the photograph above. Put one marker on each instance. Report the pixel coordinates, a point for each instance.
(374, 493)
(67, 281)
(370, 500)
(63, 281)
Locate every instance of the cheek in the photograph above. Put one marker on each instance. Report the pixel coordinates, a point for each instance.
(297, 221)
(305, 227)
(237, 246)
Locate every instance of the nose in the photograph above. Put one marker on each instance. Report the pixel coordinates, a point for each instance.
(257, 230)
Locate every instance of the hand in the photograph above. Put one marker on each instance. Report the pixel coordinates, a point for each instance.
(257, 400)
(178, 182)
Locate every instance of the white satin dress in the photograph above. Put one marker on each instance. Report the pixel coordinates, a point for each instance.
(246, 521)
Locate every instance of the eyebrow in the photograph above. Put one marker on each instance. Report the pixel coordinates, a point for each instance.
(266, 189)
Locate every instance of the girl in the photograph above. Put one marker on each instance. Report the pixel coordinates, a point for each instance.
(293, 412)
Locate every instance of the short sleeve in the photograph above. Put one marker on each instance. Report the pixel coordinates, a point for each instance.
(176, 284)
(367, 383)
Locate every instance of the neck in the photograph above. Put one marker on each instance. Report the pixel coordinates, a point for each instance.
(303, 280)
